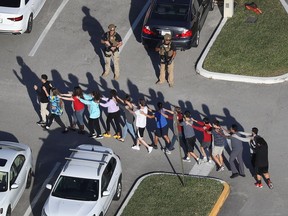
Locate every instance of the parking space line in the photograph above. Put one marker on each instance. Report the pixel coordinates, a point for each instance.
(47, 28)
(36, 198)
(135, 23)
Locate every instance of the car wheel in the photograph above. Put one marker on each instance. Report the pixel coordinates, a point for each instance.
(101, 214)
(8, 213)
(118, 190)
(29, 179)
(29, 24)
(197, 39)
(212, 4)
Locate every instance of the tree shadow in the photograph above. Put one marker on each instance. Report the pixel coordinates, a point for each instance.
(95, 31)
(28, 78)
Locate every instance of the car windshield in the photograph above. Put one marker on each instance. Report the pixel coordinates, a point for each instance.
(10, 3)
(174, 12)
(3, 181)
(76, 188)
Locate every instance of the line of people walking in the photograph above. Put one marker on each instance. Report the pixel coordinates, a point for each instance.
(213, 140)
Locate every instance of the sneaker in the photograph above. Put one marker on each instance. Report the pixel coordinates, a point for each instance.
(204, 159)
(198, 160)
(222, 168)
(107, 135)
(135, 147)
(270, 185)
(210, 161)
(154, 146)
(41, 123)
(47, 127)
(65, 130)
(150, 149)
(99, 136)
(116, 136)
(166, 151)
(187, 159)
(121, 140)
(259, 185)
(234, 175)
(243, 175)
(93, 135)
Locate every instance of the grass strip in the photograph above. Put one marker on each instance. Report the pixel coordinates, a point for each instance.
(252, 49)
(165, 195)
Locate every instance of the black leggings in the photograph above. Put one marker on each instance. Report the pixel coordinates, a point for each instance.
(57, 119)
(94, 123)
(116, 117)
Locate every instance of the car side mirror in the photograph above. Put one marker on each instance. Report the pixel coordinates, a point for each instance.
(106, 193)
(14, 186)
(49, 186)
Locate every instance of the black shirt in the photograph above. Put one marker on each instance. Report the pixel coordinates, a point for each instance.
(41, 93)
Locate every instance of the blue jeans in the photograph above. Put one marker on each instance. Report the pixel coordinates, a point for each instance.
(78, 117)
(128, 126)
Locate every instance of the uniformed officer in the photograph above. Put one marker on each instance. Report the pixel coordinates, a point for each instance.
(167, 54)
(112, 41)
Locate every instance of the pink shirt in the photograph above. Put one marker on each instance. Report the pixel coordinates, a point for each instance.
(110, 104)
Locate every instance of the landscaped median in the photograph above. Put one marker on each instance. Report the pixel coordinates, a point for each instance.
(243, 48)
(170, 194)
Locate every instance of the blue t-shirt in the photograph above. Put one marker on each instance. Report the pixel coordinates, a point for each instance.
(161, 121)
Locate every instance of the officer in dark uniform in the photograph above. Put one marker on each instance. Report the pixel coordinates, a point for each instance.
(112, 41)
(167, 54)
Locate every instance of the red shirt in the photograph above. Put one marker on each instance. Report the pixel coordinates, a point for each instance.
(77, 104)
(204, 128)
(180, 119)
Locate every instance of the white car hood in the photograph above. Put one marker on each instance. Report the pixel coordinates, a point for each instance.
(55, 206)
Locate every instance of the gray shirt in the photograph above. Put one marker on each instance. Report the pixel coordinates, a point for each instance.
(128, 115)
(219, 138)
(188, 130)
(236, 143)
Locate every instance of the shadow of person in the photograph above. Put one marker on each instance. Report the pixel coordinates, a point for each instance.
(28, 78)
(95, 31)
(155, 59)
(51, 158)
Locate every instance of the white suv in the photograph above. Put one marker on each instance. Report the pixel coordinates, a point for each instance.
(88, 182)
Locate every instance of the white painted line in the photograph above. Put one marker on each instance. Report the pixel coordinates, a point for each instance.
(47, 28)
(135, 23)
(36, 198)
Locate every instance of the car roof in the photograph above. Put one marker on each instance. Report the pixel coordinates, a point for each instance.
(87, 161)
(8, 151)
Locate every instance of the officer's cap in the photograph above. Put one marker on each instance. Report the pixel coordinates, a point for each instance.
(112, 27)
(167, 37)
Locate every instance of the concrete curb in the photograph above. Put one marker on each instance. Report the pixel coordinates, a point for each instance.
(232, 77)
(221, 200)
(215, 209)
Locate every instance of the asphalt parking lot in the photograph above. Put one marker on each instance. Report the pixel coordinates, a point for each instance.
(70, 55)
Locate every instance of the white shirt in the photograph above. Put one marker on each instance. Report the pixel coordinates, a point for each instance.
(140, 118)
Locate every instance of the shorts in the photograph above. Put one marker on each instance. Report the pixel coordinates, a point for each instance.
(205, 144)
(160, 132)
(217, 150)
(190, 143)
(140, 132)
(261, 170)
